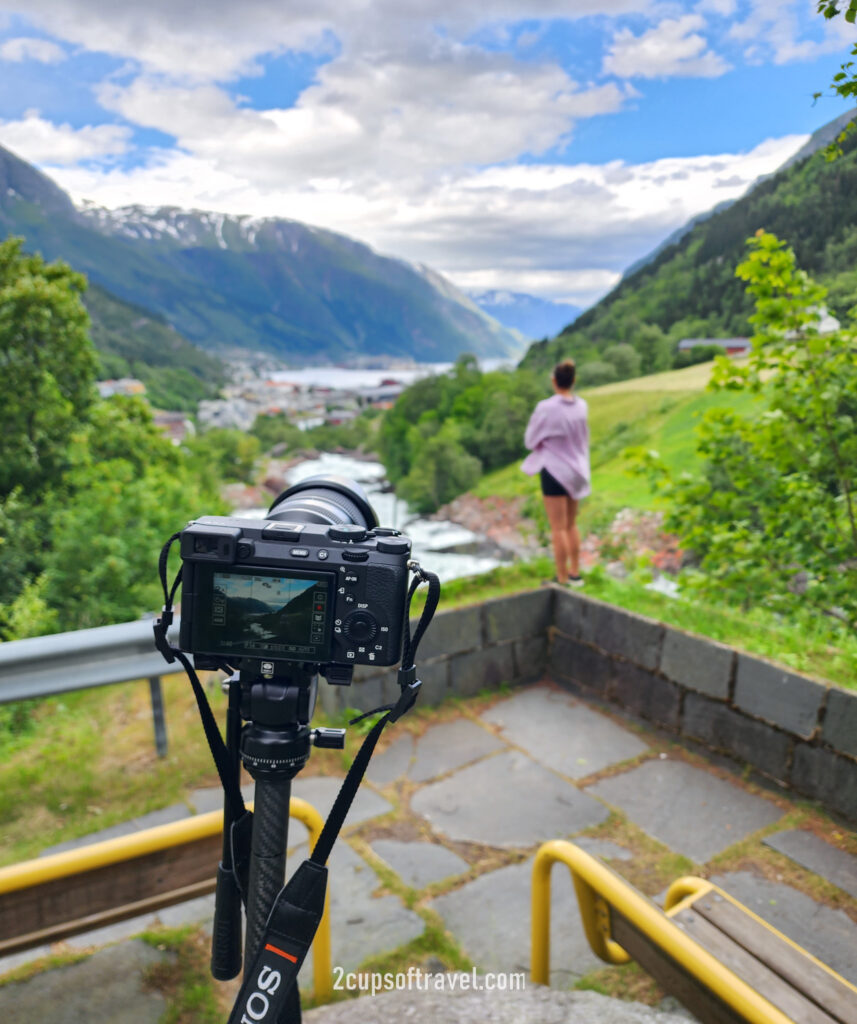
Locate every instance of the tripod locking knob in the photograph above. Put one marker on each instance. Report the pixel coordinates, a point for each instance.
(332, 738)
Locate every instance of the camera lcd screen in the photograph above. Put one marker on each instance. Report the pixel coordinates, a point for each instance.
(259, 614)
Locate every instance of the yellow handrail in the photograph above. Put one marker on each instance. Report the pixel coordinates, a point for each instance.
(601, 888)
(41, 870)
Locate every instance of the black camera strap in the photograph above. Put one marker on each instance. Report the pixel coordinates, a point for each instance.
(266, 995)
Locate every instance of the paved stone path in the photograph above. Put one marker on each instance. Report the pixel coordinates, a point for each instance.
(462, 809)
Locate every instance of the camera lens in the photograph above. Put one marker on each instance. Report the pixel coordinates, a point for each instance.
(328, 499)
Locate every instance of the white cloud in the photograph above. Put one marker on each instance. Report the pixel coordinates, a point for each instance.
(564, 232)
(221, 39)
(674, 47)
(772, 30)
(25, 48)
(40, 141)
(417, 112)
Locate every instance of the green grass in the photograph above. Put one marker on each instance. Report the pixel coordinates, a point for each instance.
(659, 412)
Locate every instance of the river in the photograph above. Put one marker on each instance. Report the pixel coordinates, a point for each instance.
(446, 548)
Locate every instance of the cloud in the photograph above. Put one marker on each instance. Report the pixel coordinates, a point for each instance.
(772, 30)
(221, 39)
(561, 231)
(670, 49)
(40, 141)
(25, 48)
(421, 111)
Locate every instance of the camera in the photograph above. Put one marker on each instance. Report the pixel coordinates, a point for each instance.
(317, 581)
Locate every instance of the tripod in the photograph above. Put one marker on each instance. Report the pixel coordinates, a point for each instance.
(273, 746)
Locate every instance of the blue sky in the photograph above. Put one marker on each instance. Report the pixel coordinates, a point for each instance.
(535, 145)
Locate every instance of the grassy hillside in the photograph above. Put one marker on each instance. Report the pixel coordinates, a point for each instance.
(658, 412)
(133, 342)
(690, 288)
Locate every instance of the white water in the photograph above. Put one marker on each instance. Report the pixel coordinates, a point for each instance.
(427, 535)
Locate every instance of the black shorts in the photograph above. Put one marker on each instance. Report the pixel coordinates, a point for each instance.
(551, 487)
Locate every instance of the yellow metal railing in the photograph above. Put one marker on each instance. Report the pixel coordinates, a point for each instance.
(56, 866)
(598, 888)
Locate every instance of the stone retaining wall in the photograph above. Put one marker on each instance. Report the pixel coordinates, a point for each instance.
(798, 731)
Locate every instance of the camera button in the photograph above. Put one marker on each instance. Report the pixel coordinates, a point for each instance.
(323, 554)
(299, 552)
(394, 545)
(355, 556)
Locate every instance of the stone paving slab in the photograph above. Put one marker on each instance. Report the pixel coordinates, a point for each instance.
(419, 864)
(451, 745)
(361, 924)
(106, 987)
(491, 918)
(164, 816)
(534, 1005)
(812, 853)
(562, 733)
(321, 791)
(686, 808)
(603, 848)
(392, 763)
(828, 934)
(507, 800)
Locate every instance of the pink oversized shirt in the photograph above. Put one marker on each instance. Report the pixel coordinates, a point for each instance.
(558, 438)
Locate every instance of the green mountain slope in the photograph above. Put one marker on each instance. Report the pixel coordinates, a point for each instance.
(132, 342)
(236, 282)
(690, 288)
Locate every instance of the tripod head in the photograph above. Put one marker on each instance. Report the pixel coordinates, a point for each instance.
(278, 707)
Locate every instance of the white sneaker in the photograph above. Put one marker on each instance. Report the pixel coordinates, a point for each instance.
(575, 582)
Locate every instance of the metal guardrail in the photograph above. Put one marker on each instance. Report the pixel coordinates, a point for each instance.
(63, 894)
(45, 666)
(601, 891)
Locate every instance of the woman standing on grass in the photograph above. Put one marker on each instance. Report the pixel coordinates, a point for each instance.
(558, 438)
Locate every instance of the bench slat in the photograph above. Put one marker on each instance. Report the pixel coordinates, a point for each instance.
(802, 973)
(745, 964)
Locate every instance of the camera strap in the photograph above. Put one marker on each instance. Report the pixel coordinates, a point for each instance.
(298, 909)
(266, 995)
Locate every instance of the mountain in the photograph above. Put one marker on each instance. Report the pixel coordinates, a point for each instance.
(689, 288)
(530, 315)
(133, 342)
(226, 282)
(819, 139)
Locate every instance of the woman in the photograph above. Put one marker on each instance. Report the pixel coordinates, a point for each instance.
(558, 438)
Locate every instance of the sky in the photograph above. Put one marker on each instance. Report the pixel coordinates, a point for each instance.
(532, 145)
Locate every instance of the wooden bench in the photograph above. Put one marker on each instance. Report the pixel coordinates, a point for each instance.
(719, 959)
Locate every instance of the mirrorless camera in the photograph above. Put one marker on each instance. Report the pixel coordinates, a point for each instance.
(317, 581)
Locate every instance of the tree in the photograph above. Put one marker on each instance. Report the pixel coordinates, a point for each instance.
(773, 517)
(47, 366)
(844, 82)
(626, 359)
(443, 471)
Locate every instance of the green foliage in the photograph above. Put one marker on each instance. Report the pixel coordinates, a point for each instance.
(90, 489)
(699, 354)
(47, 366)
(133, 342)
(773, 515)
(444, 431)
(224, 453)
(626, 359)
(844, 82)
(595, 373)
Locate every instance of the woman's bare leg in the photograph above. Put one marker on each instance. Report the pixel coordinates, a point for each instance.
(572, 536)
(557, 510)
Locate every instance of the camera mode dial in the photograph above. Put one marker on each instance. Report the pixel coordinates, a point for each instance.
(347, 532)
(360, 627)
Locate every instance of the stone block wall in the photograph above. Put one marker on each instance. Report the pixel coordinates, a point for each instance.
(464, 650)
(798, 731)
